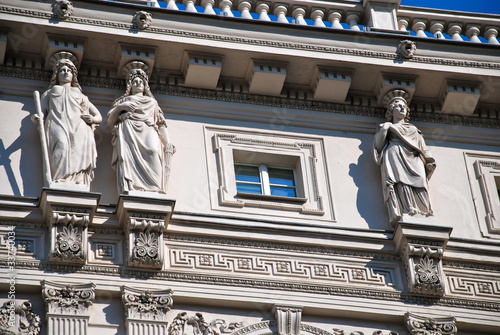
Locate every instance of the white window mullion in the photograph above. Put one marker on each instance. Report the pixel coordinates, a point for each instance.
(264, 177)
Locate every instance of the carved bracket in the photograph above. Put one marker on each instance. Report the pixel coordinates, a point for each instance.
(64, 299)
(19, 319)
(288, 319)
(421, 248)
(144, 220)
(68, 215)
(420, 325)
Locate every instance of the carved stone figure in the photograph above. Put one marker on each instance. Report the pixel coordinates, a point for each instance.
(62, 9)
(142, 20)
(405, 161)
(19, 319)
(142, 152)
(407, 49)
(69, 129)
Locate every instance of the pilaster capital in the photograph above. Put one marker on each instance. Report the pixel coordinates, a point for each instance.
(146, 305)
(423, 325)
(65, 299)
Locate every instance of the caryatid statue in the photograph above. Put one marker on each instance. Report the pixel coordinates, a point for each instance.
(405, 162)
(141, 148)
(67, 134)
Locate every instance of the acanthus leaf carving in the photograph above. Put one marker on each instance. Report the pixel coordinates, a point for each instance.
(67, 299)
(146, 305)
(421, 325)
(201, 326)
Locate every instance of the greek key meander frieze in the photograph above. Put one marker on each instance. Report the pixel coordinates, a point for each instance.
(474, 287)
(268, 266)
(281, 102)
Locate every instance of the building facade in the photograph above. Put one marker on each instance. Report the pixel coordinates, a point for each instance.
(248, 167)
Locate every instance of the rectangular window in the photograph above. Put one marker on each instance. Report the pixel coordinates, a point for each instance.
(266, 180)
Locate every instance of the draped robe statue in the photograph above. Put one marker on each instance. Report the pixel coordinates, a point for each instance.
(69, 121)
(405, 163)
(141, 149)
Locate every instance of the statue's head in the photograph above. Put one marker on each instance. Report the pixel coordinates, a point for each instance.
(134, 75)
(60, 64)
(397, 102)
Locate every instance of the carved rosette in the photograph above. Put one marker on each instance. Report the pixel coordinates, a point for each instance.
(424, 269)
(18, 319)
(64, 299)
(69, 234)
(146, 305)
(419, 325)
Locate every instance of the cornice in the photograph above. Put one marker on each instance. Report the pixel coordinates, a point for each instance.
(263, 284)
(257, 42)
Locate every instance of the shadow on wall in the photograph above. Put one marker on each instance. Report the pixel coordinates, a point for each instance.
(369, 200)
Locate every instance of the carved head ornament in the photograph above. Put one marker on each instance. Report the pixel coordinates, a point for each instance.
(407, 49)
(142, 20)
(393, 97)
(62, 9)
(59, 64)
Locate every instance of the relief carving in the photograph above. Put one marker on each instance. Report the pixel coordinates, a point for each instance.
(146, 305)
(19, 319)
(66, 121)
(67, 299)
(141, 149)
(424, 269)
(405, 162)
(62, 9)
(420, 325)
(407, 49)
(200, 325)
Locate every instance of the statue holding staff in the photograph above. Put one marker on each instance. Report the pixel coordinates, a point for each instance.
(141, 148)
(405, 162)
(69, 118)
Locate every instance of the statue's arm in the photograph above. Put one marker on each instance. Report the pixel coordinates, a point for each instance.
(113, 116)
(381, 135)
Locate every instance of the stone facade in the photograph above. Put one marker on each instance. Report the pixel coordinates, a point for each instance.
(275, 219)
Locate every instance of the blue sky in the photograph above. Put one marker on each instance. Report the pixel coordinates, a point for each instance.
(478, 6)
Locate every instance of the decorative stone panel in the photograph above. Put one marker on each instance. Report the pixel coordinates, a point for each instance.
(421, 325)
(144, 220)
(18, 319)
(201, 70)
(146, 311)
(68, 215)
(330, 84)
(67, 307)
(421, 247)
(459, 97)
(266, 77)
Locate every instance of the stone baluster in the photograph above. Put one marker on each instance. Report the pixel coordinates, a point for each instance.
(353, 19)
(491, 34)
(172, 5)
(403, 24)
(454, 31)
(317, 16)
(209, 6)
(299, 13)
(280, 12)
(437, 28)
(334, 18)
(244, 8)
(190, 6)
(263, 9)
(419, 27)
(473, 32)
(225, 6)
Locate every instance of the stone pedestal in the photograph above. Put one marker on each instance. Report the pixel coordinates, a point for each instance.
(67, 307)
(68, 214)
(421, 244)
(144, 220)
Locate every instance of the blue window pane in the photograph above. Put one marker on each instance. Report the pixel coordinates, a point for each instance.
(282, 177)
(247, 173)
(283, 191)
(248, 188)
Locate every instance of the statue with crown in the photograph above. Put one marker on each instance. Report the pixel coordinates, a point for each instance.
(405, 161)
(141, 149)
(66, 123)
